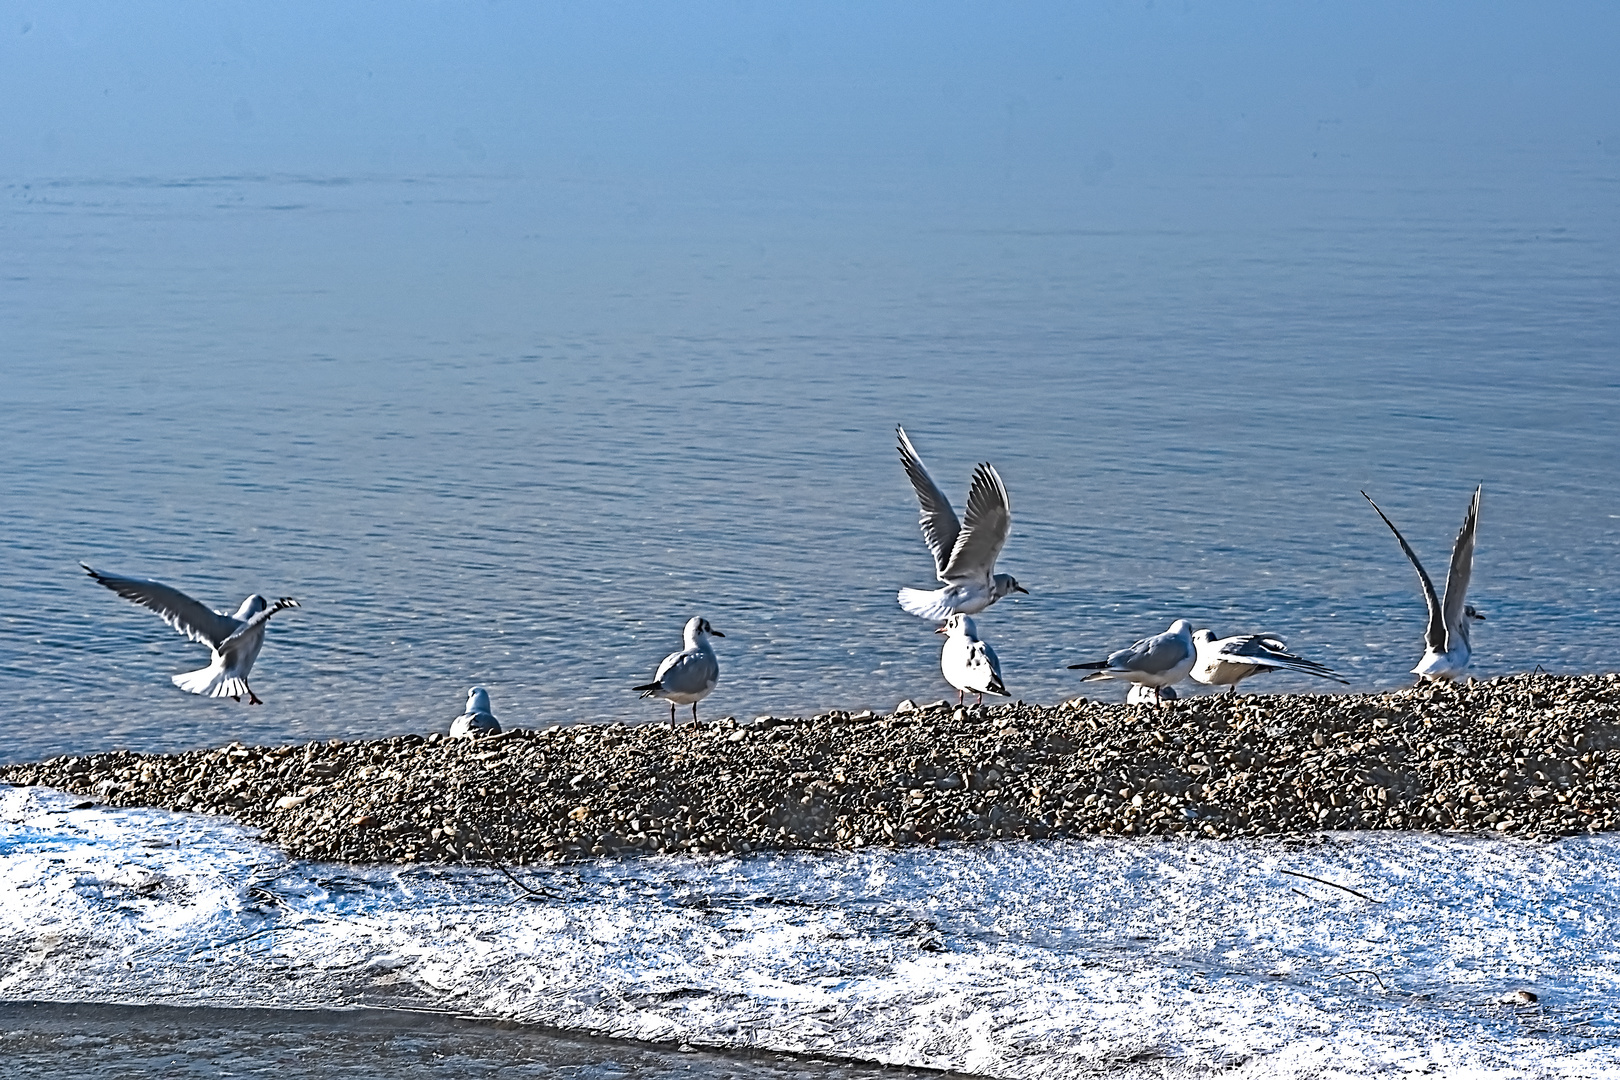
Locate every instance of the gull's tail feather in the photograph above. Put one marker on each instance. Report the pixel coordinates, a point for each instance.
(1095, 675)
(211, 681)
(1100, 664)
(648, 689)
(924, 604)
(999, 687)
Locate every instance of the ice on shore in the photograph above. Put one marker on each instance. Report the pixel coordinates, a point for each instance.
(1033, 959)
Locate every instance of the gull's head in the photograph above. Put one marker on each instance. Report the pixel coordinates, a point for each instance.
(959, 625)
(1006, 583)
(1470, 611)
(478, 700)
(1202, 637)
(1181, 628)
(251, 607)
(698, 628)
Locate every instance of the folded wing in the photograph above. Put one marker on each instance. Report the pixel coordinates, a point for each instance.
(1262, 650)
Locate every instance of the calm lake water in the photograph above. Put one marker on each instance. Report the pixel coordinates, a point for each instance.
(515, 430)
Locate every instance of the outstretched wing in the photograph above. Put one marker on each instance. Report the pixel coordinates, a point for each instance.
(939, 524)
(1435, 636)
(192, 618)
(258, 620)
(989, 517)
(1462, 569)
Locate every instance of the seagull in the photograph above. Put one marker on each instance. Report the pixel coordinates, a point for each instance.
(235, 640)
(969, 664)
(1157, 661)
(687, 677)
(477, 719)
(1228, 661)
(1445, 642)
(964, 556)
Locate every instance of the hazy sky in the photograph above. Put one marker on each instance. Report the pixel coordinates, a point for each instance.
(1093, 92)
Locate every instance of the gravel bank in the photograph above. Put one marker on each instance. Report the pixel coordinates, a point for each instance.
(1529, 755)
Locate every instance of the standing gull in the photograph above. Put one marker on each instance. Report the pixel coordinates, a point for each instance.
(1228, 661)
(235, 640)
(1445, 642)
(969, 664)
(1156, 661)
(686, 677)
(478, 719)
(964, 555)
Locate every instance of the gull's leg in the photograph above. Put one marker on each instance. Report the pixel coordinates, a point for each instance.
(959, 697)
(980, 701)
(694, 712)
(253, 699)
(1233, 691)
(672, 714)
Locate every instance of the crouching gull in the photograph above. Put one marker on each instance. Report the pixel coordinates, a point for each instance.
(477, 719)
(234, 640)
(1228, 661)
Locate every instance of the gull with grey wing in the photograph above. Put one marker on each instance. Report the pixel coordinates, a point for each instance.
(1446, 649)
(477, 719)
(688, 676)
(964, 553)
(1155, 661)
(968, 663)
(233, 640)
(1228, 661)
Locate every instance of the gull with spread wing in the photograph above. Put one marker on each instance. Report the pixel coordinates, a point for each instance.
(964, 553)
(969, 664)
(1446, 650)
(1155, 661)
(234, 640)
(1228, 661)
(687, 677)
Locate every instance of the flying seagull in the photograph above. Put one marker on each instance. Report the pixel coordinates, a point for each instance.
(687, 677)
(1445, 642)
(964, 555)
(1228, 661)
(477, 719)
(969, 664)
(1156, 661)
(235, 640)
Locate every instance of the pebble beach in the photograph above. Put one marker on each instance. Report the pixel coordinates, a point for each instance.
(1531, 756)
